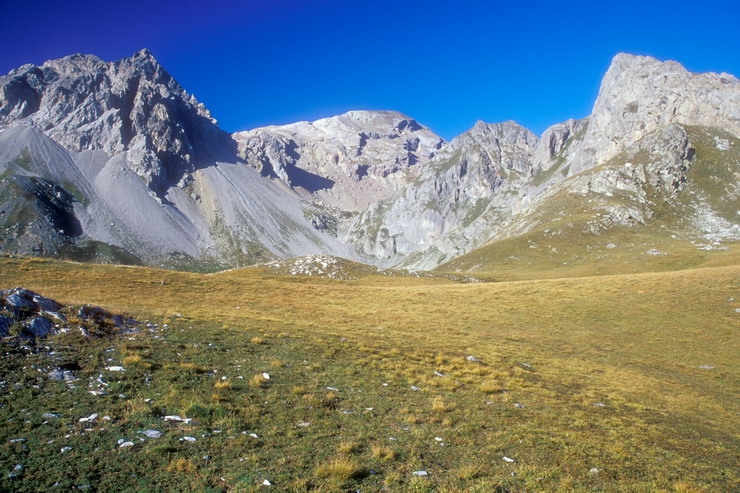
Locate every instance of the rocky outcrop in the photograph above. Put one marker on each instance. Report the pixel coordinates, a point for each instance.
(130, 106)
(348, 161)
(479, 170)
(477, 189)
(640, 95)
(37, 316)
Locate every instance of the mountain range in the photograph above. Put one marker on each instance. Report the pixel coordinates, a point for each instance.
(115, 161)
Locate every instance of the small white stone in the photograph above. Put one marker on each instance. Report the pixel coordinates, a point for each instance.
(151, 433)
(508, 459)
(420, 473)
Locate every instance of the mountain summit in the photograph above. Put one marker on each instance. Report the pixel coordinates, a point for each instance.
(115, 160)
(130, 106)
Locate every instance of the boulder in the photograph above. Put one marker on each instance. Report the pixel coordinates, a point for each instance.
(38, 327)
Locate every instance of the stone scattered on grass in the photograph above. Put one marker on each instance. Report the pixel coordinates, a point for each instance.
(266, 483)
(593, 471)
(62, 375)
(472, 358)
(508, 459)
(654, 251)
(415, 388)
(115, 368)
(332, 389)
(66, 449)
(90, 418)
(126, 445)
(519, 406)
(266, 376)
(706, 367)
(189, 439)
(151, 433)
(420, 473)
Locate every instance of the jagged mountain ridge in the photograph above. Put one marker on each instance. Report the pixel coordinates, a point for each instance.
(130, 106)
(348, 161)
(639, 96)
(157, 178)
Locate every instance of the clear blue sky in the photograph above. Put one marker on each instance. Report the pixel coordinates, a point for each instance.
(445, 63)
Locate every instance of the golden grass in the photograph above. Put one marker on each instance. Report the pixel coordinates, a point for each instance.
(558, 346)
(258, 381)
(340, 469)
(349, 447)
(382, 453)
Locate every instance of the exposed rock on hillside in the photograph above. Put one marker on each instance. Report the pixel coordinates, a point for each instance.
(130, 106)
(37, 316)
(490, 160)
(348, 161)
(640, 109)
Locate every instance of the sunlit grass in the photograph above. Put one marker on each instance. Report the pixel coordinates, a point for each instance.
(550, 353)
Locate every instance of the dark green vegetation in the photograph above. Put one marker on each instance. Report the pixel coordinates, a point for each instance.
(634, 375)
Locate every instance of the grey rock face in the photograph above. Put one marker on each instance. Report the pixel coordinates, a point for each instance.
(130, 106)
(22, 301)
(640, 95)
(347, 161)
(493, 188)
(454, 189)
(38, 327)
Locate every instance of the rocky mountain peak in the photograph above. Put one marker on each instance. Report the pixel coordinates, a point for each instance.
(131, 105)
(347, 161)
(640, 94)
(509, 132)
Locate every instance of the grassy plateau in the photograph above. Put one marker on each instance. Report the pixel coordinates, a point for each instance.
(621, 383)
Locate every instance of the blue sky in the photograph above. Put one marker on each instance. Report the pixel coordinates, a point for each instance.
(445, 63)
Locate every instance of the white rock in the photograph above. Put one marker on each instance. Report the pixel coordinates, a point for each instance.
(126, 445)
(420, 473)
(151, 433)
(508, 459)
